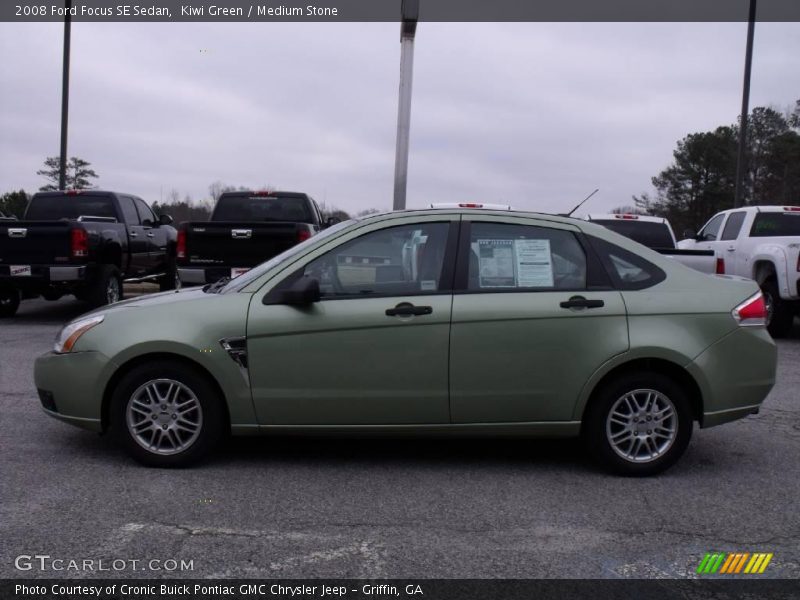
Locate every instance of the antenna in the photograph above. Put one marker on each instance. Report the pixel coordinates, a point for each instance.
(569, 214)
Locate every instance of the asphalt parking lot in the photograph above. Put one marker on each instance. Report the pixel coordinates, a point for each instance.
(294, 507)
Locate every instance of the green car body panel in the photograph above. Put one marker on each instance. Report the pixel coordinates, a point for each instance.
(495, 363)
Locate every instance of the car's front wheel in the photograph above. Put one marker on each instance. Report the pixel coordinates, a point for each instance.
(167, 414)
(639, 424)
(9, 301)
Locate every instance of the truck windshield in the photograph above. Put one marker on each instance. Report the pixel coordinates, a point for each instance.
(652, 235)
(262, 208)
(63, 206)
(775, 224)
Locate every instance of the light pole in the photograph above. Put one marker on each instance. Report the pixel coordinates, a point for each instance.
(62, 165)
(408, 29)
(741, 160)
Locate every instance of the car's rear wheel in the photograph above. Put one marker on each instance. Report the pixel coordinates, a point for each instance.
(639, 424)
(170, 279)
(167, 414)
(9, 301)
(105, 289)
(780, 316)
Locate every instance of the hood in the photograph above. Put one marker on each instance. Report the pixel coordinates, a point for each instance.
(169, 297)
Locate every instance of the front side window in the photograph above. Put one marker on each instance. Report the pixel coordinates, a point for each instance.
(397, 261)
(711, 230)
(145, 214)
(506, 257)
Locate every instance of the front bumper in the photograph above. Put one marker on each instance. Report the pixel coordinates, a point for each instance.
(71, 386)
(735, 375)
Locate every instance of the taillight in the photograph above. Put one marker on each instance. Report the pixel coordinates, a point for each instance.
(752, 312)
(791, 208)
(180, 250)
(470, 205)
(798, 262)
(720, 269)
(303, 235)
(79, 243)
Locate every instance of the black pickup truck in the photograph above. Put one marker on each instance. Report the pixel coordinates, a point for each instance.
(245, 229)
(83, 243)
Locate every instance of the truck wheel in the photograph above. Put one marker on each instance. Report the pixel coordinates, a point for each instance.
(9, 302)
(106, 289)
(166, 414)
(780, 316)
(170, 279)
(638, 424)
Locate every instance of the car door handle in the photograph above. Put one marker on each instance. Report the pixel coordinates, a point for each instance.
(581, 302)
(731, 249)
(151, 235)
(406, 309)
(133, 234)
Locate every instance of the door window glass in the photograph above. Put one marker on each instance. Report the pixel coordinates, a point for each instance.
(733, 226)
(628, 271)
(514, 257)
(129, 210)
(397, 261)
(711, 230)
(145, 214)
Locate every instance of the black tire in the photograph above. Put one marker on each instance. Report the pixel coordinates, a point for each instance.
(780, 316)
(99, 292)
(9, 302)
(170, 279)
(212, 418)
(598, 429)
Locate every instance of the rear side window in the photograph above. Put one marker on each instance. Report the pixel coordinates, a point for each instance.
(129, 210)
(506, 257)
(628, 271)
(262, 208)
(733, 226)
(775, 224)
(647, 233)
(54, 208)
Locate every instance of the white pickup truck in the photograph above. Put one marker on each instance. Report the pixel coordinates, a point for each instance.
(656, 234)
(761, 243)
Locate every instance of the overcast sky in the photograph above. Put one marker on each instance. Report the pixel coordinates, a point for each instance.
(532, 114)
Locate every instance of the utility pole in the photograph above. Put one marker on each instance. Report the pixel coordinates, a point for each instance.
(408, 29)
(62, 168)
(741, 160)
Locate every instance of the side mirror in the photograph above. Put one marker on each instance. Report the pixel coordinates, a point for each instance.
(689, 234)
(302, 292)
(332, 221)
(164, 220)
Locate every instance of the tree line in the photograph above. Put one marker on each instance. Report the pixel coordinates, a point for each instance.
(701, 180)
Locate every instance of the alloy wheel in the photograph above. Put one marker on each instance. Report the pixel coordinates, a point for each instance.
(642, 425)
(164, 416)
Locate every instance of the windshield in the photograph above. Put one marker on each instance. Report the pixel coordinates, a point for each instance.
(54, 208)
(236, 284)
(652, 235)
(775, 224)
(244, 207)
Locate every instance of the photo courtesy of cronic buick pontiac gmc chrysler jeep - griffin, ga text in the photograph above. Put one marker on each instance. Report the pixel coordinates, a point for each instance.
(430, 322)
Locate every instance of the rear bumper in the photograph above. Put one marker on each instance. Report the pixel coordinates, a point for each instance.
(45, 274)
(735, 375)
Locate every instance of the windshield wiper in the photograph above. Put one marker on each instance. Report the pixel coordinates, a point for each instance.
(214, 288)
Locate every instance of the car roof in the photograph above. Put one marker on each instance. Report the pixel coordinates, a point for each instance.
(471, 211)
(625, 217)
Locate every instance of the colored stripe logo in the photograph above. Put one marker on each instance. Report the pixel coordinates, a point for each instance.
(734, 563)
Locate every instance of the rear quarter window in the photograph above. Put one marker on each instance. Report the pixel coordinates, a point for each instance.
(627, 270)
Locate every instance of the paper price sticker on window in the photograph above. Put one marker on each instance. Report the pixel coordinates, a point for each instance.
(534, 263)
(496, 263)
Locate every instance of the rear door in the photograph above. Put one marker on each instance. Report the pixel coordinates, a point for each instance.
(533, 317)
(156, 237)
(137, 240)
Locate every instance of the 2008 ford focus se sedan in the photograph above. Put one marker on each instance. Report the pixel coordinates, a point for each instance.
(442, 321)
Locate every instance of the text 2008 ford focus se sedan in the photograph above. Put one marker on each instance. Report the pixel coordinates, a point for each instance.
(437, 321)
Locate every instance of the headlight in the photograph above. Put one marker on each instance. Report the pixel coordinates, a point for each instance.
(72, 332)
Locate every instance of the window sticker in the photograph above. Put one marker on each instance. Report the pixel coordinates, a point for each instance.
(496, 264)
(427, 285)
(534, 263)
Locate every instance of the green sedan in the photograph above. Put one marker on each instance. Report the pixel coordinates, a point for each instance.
(441, 322)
